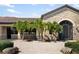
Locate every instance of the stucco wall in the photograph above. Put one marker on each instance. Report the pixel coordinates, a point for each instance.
(3, 32)
(66, 14)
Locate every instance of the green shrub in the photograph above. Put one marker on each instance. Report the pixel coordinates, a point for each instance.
(73, 45)
(5, 44)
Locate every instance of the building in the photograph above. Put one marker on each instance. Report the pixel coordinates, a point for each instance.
(66, 16)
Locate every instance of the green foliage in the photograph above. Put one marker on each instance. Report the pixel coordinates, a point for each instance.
(30, 26)
(73, 45)
(49, 27)
(5, 44)
(38, 24)
(18, 25)
(21, 26)
(54, 27)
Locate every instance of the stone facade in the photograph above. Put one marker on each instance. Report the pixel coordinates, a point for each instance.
(65, 14)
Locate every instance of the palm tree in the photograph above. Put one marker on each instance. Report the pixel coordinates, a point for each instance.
(49, 28)
(25, 25)
(31, 26)
(39, 26)
(21, 28)
(54, 28)
(18, 26)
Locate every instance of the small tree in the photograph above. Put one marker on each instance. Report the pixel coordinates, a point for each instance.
(54, 28)
(25, 25)
(18, 26)
(21, 28)
(39, 25)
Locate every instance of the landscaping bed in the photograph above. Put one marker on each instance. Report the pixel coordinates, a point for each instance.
(5, 44)
(7, 47)
(74, 46)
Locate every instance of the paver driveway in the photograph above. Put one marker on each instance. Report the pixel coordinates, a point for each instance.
(35, 47)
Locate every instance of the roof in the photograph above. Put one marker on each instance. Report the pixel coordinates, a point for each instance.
(10, 20)
(67, 6)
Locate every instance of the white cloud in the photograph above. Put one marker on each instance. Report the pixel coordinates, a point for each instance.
(52, 5)
(13, 11)
(45, 10)
(35, 15)
(33, 4)
(8, 5)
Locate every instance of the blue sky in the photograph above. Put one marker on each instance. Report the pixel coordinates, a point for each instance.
(28, 10)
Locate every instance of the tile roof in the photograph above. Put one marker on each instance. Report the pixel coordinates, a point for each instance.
(67, 6)
(8, 20)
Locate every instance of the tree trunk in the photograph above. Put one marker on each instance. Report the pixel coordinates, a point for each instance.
(42, 39)
(55, 36)
(23, 36)
(38, 35)
(51, 37)
(19, 35)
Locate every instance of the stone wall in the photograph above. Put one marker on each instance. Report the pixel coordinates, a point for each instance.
(66, 14)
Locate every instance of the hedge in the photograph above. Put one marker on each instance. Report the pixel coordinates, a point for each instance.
(5, 44)
(73, 45)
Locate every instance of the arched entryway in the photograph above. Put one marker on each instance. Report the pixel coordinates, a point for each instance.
(67, 31)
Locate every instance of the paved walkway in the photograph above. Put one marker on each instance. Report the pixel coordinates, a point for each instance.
(36, 47)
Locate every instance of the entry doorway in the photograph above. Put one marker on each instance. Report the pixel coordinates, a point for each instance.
(8, 33)
(11, 33)
(67, 31)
